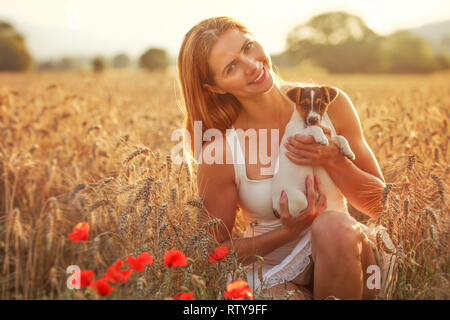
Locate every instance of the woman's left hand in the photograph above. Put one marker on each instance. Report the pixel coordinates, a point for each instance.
(304, 150)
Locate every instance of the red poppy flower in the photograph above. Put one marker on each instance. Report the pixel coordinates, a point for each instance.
(114, 274)
(80, 232)
(174, 258)
(101, 287)
(184, 296)
(85, 278)
(218, 254)
(238, 290)
(138, 263)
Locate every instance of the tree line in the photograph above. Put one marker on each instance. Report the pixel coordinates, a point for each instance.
(14, 56)
(152, 59)
(336, 41)
(342, 43)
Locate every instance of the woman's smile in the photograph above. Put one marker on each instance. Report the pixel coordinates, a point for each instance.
(260, 78)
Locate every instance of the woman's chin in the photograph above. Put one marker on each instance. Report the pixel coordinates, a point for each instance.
(268, 83)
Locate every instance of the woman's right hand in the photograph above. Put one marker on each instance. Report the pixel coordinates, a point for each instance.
(295, 225)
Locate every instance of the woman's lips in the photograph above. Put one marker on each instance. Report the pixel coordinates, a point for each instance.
(262, 78)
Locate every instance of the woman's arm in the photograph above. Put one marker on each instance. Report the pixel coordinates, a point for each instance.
(360, 180)
(218, 190)
(365, 191)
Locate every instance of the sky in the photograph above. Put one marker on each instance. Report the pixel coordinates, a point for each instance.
(109, 26)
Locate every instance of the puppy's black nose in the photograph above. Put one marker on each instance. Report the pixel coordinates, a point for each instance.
(313, 120)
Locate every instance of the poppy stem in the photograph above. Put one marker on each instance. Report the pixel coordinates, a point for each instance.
(167, 282)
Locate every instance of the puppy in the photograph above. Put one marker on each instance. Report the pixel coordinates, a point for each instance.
(311, 105)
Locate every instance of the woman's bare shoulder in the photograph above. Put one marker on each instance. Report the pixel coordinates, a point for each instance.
(341, 111)
(286, 85)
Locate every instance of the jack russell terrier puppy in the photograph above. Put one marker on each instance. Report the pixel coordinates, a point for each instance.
(311, 105)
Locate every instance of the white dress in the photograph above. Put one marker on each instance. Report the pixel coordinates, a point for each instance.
(255, 199)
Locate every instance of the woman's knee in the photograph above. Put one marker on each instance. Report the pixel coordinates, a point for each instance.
(336, 232)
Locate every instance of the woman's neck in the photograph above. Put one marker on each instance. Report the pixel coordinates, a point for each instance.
(267, 110)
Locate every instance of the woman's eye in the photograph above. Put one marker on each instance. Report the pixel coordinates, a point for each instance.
(230, 68)
(250, 45)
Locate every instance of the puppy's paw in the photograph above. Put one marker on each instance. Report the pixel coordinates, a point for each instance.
(348, 153)
(318, 135)
(297, 202)
(275, 207)
(276, 214)
(322, 140)
(344, 147)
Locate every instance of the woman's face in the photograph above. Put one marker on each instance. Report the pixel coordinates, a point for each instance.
(239, 65)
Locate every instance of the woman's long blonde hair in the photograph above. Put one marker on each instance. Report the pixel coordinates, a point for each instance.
(217, 111)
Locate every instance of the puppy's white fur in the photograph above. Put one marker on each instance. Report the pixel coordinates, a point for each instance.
(291, 177)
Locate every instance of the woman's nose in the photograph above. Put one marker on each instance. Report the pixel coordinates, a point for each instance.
(252, 65)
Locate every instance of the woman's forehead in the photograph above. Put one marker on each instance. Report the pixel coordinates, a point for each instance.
(227, 47)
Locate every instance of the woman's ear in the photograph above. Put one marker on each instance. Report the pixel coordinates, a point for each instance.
(213, 89)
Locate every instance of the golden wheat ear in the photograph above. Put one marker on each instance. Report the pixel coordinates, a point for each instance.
(295, 94)
(329, 93)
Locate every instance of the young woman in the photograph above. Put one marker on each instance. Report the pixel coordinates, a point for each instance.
(227, 83)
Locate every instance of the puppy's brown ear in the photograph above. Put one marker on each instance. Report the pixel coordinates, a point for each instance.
(295, 94)
(329, 93)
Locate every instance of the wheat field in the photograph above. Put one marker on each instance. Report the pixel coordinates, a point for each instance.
(78, 146)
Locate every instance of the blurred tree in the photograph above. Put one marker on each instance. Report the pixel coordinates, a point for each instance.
(45, 65)
(330, 28)
(442, 60)
(14, 55)
(445, 43)
(6, 26)
(154, 59)
(98, 64)
(66, 63)
(405, 52)
(283, 60)
(121, 61)
(339, 41)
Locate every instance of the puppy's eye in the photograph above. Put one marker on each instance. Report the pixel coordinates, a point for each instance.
(306, 101)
